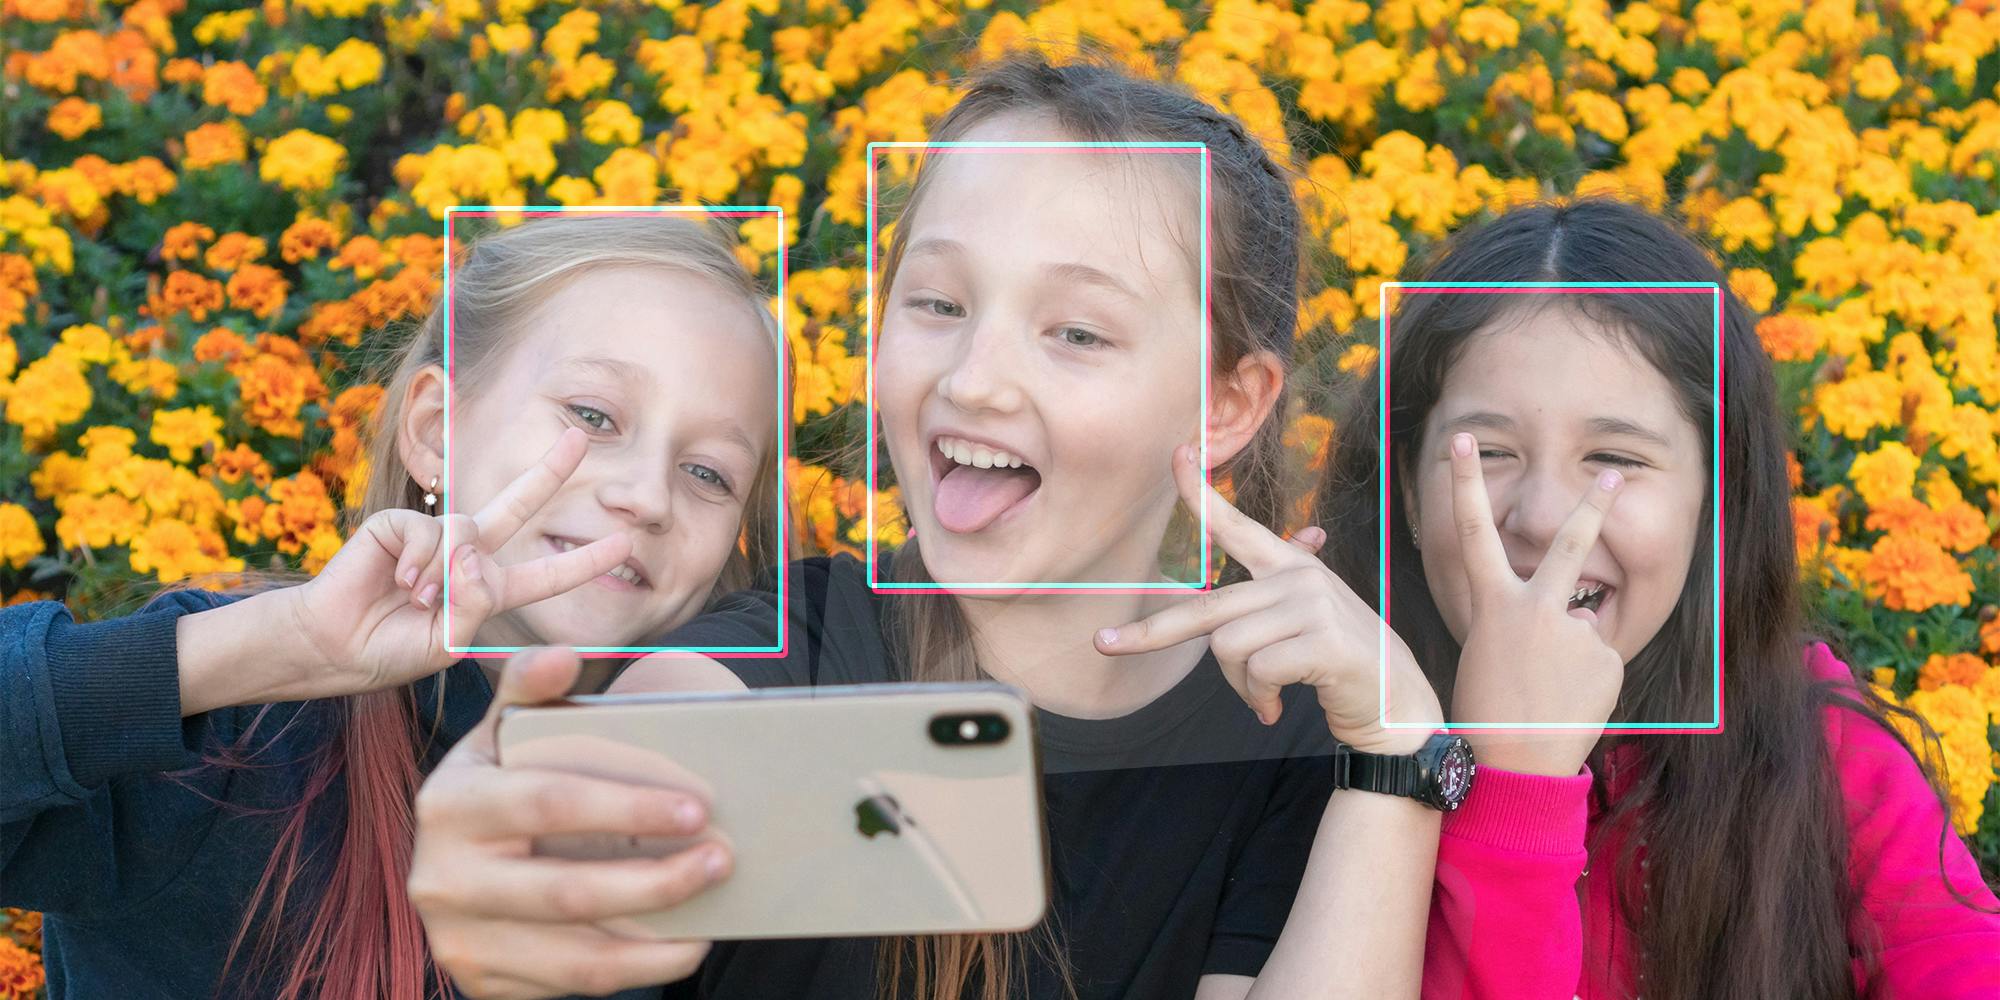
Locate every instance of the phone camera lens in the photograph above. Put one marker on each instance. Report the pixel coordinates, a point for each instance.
(968, 730)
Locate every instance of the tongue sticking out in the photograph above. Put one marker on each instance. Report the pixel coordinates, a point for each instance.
(970, 498)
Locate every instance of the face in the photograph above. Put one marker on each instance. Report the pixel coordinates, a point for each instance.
(1554, 400)
(674, 382)
(1039, 360)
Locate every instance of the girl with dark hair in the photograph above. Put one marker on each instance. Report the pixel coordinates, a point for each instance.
(213, 796)
(1038, 332)
(1798, 852)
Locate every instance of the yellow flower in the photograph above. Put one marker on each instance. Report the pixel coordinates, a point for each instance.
(20, 536)
(172, 549)
(1489, 27)
(184, 431)
(1860, 403)
(612, 123)
(1598, 113)
(510, 39)
(1887, 473)
(1741, 222)
(1875, 78)
(224, 26)
(48, 394)
(301, 160)
(73, 116)
(1754, 286)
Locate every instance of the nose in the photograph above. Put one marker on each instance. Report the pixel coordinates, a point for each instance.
(641, 492)
(981, 374)
(1537, 503)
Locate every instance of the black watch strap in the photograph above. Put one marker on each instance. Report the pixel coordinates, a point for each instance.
(1438, 775)
(1391, 774)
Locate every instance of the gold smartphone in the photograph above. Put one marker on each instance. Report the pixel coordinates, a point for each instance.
(860, 810)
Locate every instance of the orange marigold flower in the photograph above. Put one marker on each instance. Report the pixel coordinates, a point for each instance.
(1788, 338)
(1957, 668)
(299, 509)
(182, 71)
(306, 239)
(21, 973)
(273, 390)
(183, 241)
(1989, 636)
(1915, 574)
(339, 320)
(362, 255)
(186, 292)
(220, 345)
(259, 289)
(73, 116)
(233, 85)
(215, 144)
(234, 250)
(232, 465)
(146, 180)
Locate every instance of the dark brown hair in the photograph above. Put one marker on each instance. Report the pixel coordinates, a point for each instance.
(1745, 894)
(1254, 292)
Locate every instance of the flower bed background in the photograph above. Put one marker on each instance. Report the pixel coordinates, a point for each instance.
(208, 212)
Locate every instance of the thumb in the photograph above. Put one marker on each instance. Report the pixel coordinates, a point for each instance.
(531, 677)
(1309, 538)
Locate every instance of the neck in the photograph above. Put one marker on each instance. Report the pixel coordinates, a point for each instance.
(1042, 643)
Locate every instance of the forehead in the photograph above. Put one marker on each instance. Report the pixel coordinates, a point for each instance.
(676, 340)
(1552, 361)
(1134, 213)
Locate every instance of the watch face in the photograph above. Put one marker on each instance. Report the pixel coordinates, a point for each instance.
(1454, 774)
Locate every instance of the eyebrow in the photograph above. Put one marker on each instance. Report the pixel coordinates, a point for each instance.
(1596, 425)
(1068, 272)
(611, 368)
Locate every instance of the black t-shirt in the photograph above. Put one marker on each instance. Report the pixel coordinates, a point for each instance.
(1178, 834)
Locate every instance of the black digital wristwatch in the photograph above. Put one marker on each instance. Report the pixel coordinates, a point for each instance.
(1438, 775)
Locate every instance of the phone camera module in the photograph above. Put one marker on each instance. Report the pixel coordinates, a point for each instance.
(979, 729)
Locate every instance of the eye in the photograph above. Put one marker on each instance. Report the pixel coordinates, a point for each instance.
(593, 418)
(1079, 337)
(1491, 453)
(1618, 460)
(937, 306)
(712, 479)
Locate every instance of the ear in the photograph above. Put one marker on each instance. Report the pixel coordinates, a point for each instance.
(1406, 489)
(1240, 403)
(420, 427)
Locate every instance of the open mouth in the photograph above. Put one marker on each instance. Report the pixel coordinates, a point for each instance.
(976, 483)
(1590, 594)
(627, 575)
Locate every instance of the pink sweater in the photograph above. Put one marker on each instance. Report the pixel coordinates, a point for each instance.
(1506, 920)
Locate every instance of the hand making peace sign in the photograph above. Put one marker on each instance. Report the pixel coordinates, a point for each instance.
(374, 617)
(1529, 657)
(1293, 622)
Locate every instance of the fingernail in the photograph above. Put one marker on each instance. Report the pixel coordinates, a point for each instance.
(1461, 445)
(470, 561)
(688, 815)
(1108, 636)
(713, 862)
(409, 576)
(429, 595)
(1609, 480)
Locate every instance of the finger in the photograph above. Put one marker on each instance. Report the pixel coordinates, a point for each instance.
(419, 536)
(518, 802)
(1309, 539)
(505, 513)
(530, 677)
(1560, 568)
(1188, 617)
(562, 891)
(1240, 643)
(1478, 540)
(455, 533)
(509, 960)
(1259, 549)
(543, 578)
(472, 596)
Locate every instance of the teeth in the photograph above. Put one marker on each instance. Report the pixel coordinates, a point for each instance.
(1586, 592)
(621, 571)
(978, 456)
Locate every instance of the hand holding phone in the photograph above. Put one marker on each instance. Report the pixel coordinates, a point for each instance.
(503, 922)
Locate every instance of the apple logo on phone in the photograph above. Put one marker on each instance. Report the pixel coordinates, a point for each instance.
(878, 814)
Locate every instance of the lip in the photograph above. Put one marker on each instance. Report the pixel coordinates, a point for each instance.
(605, 580)
(939, 464)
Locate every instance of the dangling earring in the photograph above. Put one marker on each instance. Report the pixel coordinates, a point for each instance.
(1413, 538)
(430, 496)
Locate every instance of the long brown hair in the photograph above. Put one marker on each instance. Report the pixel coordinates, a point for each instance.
(1745, 894)
(362, 939)
(1255, 256)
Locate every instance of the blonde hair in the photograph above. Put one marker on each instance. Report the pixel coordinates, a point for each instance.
(363, 938)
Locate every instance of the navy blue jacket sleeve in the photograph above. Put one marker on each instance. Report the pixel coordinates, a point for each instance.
(84, 709)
